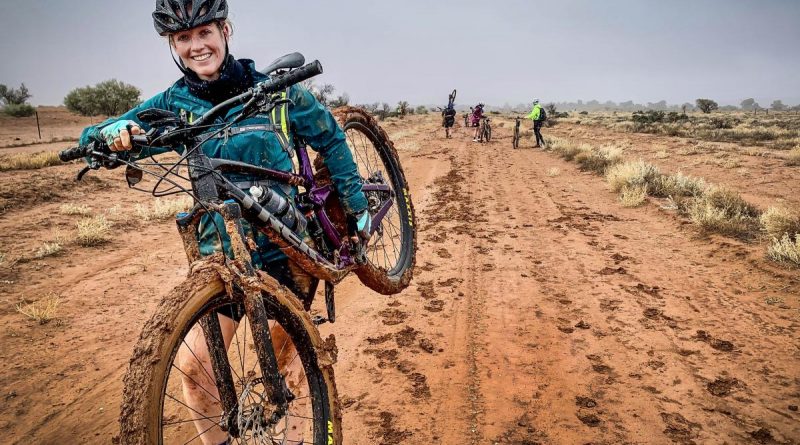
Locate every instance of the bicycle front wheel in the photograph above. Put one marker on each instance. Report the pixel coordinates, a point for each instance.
(171, 397)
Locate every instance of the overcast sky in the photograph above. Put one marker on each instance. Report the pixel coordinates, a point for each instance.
(500, 51)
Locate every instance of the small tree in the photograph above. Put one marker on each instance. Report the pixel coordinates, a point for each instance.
(706, 105)
(551, 109)
(748, 104)
(15, 101)
(402, 108)
(109, 98)
(12, 96)
(778, 105)
(422, 109)
(341, 101)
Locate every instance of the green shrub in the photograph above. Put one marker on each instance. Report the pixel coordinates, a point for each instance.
(109, 98)
(19, 110)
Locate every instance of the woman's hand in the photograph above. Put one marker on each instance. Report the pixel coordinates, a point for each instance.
(117, 135)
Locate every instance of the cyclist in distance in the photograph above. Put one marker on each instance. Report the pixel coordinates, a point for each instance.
(198, 32)
(449, 116)
(538, 116)
(475, 121)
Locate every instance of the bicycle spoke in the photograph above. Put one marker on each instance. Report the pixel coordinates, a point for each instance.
(192, 409)
(195, 382)
(198, 360)
(199, 434)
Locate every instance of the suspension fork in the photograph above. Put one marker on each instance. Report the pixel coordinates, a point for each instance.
(274, 383)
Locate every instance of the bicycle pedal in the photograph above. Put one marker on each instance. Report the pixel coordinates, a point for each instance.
(318, 320)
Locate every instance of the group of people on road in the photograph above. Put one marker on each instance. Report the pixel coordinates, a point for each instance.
(537, 115)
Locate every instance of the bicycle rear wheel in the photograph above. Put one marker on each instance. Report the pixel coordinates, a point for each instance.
(157, 409)
(391, 253)
(488, 131)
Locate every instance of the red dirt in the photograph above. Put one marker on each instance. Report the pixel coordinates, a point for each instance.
(541, 311)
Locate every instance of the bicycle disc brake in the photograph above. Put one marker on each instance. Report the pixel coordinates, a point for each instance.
(254, 421)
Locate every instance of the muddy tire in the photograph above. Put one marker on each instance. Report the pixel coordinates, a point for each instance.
(148, 377)
(392, 275)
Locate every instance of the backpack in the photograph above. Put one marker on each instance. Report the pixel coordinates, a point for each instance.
(449, 111)
(542, 115)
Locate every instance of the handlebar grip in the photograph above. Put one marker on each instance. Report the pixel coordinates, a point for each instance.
(74, 153)
(140, 139)
(293, 77)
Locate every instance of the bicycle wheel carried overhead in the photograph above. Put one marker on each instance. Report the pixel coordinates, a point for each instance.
(392, 248)
(158, 407)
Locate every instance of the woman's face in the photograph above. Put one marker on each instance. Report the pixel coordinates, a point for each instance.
(202, 49)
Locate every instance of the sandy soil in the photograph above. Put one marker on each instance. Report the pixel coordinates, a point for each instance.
(542, 311)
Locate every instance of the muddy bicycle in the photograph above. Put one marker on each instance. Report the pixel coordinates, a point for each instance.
(515, 138)
(274, 381)
(485, 132)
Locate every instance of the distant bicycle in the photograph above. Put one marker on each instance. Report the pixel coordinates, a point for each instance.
(485, 133)
(515, 139)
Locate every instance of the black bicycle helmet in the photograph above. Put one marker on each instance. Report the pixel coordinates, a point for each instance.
(173, 16)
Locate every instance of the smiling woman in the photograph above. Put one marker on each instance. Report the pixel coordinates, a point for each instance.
(198, 33)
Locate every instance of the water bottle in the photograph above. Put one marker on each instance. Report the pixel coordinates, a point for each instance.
(280, 207)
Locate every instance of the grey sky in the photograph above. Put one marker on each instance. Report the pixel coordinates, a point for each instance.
(418, 50)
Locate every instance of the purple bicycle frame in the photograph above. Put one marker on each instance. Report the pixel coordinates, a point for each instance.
(319, 195)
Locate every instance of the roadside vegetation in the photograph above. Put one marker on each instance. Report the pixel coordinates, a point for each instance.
(712, 208)
(777, 130)
(29, 161)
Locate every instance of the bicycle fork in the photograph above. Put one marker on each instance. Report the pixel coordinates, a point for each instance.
(277, 392)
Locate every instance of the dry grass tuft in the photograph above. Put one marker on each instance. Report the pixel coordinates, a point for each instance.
(632, 174)
(163, 209)
(48, 249)
(75, 209)
(794, 157)
(785, 250)
(94, 231)
(29, 161)
(41, 311)
(723, 211)
(779, 221)
(599, 160)
(553, 171)
(633, 196)
(678, 185)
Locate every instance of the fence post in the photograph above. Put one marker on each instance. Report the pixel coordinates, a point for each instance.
(39, 128)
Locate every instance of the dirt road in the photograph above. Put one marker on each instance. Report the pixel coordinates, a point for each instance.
(542, 311)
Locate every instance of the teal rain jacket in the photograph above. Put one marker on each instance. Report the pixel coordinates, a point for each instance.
(251, 141)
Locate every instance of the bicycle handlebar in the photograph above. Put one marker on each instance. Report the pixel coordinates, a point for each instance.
(74, 153)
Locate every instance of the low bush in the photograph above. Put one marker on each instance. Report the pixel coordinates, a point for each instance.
(794, 157)
(631, 175)
(599, 160)
(19, 110)
(785, 250)
(633, 196)
(678, 185)
(779, 221)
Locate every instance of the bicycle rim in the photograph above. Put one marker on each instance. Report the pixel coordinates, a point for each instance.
(391, 245)
(187, 422)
